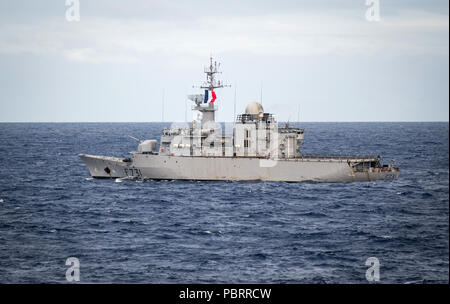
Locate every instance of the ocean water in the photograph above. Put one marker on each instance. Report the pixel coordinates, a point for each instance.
(221, 232)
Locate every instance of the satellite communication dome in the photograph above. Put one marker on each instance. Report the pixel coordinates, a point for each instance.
(254, 108)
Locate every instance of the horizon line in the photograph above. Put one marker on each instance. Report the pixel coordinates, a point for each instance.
(281, 121)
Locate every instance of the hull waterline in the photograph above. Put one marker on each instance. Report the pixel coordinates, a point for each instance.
(156, 167)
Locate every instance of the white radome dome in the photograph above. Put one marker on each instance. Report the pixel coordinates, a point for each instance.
(254, 108)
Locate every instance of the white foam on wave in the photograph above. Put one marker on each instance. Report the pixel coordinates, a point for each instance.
(121, 179)
(89, 178)
(422, 281)
(1, 201)
(100, 231)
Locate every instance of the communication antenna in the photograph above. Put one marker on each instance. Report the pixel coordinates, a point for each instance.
(185, 111)
(211, 83)
(234, 108)
(162, 107)
(261, 93)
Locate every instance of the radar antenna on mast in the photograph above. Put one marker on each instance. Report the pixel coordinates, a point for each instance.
(210, 72)
(209, 86)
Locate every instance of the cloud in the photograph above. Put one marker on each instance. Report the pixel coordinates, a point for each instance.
(113, 40)
(93, 56)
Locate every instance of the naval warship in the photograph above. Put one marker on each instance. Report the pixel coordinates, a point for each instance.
(256, 148)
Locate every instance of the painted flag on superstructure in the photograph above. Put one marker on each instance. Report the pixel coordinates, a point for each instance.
(210, 96)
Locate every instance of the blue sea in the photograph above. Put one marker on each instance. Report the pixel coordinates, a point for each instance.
(221, 232)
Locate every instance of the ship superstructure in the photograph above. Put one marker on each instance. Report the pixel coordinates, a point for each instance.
(257, 148)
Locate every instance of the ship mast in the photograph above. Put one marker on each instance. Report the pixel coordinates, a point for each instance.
(210, 72)
(211, 83)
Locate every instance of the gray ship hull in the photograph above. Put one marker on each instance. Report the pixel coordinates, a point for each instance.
(157, 167)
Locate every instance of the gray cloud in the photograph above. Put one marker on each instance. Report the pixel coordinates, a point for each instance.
(322, 54)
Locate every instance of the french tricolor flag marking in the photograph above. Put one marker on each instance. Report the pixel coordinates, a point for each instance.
(209, 96)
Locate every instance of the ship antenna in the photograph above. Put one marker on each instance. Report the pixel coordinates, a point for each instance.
(162, 107)
(261, 92)
(210, 84)
(185, 111)
(210, 72)
(234, 106)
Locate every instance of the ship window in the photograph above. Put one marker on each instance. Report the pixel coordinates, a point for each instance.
(247, 133)
(246, 143)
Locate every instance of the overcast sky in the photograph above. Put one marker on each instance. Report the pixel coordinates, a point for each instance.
(322, 57)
